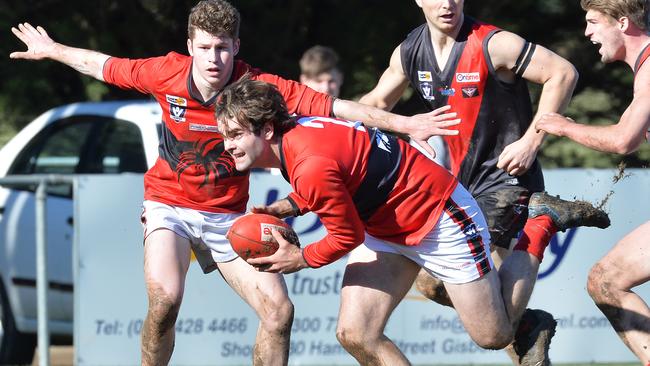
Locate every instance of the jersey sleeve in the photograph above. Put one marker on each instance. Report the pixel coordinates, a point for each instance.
(300, 98)
(299, 204)
(319, 183)
(132, 73)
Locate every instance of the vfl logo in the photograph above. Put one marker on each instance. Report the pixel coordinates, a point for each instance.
(471, 231)
(470, 91)
(427, 91)
(468, 77)
(177, 113)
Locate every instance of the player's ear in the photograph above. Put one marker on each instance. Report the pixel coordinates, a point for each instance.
(235, 47)
(189, 47)
(419, 2)
(268, 130)
(623, 24)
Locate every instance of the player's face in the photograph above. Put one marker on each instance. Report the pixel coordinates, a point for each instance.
(245, 147)
(327, 82)
(605, 31)
(445, 15)
(212, 59)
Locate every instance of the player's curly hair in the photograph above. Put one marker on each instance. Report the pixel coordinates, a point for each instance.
(216, 17)
(636, 10)
(251, 104)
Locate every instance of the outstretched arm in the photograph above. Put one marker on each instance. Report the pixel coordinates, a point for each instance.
(373, 107)
(558, 78)
(40, 46)
(623, 137)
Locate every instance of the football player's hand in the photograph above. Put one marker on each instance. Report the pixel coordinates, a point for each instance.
(421, 127)
(280, 208)
(287, 259)
(39, 44)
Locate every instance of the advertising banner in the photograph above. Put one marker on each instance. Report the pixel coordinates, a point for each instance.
(215, 327)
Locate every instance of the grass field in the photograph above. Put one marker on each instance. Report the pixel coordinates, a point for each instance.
(63, 356)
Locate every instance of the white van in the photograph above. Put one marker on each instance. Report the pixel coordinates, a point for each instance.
(81, 138)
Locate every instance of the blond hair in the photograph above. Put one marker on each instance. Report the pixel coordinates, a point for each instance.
(636, 10)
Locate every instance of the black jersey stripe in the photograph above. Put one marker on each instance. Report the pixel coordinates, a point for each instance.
(383, 165)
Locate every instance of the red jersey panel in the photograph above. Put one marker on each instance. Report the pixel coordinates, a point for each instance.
(340, 169)
(192, 169)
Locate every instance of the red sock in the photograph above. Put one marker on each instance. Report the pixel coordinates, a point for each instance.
(536, 235)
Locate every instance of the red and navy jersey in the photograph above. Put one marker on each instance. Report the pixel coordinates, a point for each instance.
(192, 169)
(493, 113)
(357, 179)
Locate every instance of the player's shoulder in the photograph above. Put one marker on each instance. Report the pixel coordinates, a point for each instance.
(171, 62)
(642, 78)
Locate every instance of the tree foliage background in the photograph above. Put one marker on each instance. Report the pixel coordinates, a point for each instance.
(274, 34)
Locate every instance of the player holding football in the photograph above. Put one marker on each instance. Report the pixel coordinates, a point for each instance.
(369, 187)
(193, 192)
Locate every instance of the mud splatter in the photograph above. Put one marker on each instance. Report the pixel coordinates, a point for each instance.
(602, 203)
(621, 173)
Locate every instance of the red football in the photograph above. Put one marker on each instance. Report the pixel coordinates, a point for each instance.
(250, 235)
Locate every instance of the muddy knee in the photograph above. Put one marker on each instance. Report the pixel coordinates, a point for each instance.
(432, 288)
(277, 318)
(163, 310)
(353, 339)
(599, 284)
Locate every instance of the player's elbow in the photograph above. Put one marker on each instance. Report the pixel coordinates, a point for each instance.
(373, 101)
(626, 146)
(567, 76)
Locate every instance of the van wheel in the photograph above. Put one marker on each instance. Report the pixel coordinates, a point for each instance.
(15, 348)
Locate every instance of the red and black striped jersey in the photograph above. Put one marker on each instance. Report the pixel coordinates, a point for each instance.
(192, 169)
(493, 113)
(357, 179)
(643, 56)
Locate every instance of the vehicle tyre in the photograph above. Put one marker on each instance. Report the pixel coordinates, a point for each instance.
(15, 348)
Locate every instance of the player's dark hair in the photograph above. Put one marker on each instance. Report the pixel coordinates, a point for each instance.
(636, 10)
(216, 17)
(251, 104)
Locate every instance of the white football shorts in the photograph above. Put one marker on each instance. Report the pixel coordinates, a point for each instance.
(206, 231)
(456, 250)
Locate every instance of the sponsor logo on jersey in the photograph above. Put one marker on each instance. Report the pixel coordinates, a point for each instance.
(468, 77)
(512, 181)
(470, 91)
(425, 76)
(177, 112)
(427, 91)
(172, 99)
(447, 91)
(203, 128)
